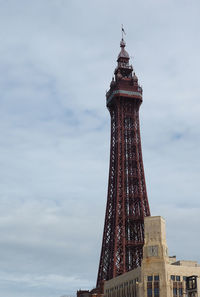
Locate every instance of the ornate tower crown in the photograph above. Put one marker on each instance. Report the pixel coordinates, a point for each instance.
(125, 80)
(123, 70)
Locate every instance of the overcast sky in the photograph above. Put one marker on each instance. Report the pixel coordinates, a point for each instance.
(57, 58)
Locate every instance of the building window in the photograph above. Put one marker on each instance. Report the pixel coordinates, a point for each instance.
(180, 290)
(156, 277)
(173, 277)
(156, 289)
(156, 292)
(150, 278)
(184, 278)
(149, 292)
(178, 278)
(149, 289)
(174, 292)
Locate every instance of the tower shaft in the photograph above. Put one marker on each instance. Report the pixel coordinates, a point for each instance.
(127, 202)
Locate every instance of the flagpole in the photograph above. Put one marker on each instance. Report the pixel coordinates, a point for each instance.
(123, 32)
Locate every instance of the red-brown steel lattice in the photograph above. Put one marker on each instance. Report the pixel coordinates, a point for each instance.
(127, 202)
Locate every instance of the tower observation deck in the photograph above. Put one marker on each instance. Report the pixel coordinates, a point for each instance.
(127, 202)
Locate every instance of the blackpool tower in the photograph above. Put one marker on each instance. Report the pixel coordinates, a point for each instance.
(127, 202)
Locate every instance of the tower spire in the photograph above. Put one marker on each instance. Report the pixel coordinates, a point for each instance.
(123, 53)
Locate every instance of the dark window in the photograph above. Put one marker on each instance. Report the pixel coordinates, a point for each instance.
(150, 278)
(156, 284)
(174, 292)
(149, 292)
(173, 277)
(191, 282)
(184, 278)
(178, 278)
(156, 277)
(180, 292)
(149, 285)
(156, 292)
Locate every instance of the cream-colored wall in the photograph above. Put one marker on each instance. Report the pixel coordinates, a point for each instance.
(154, 269)
(155, 235)
(123, 285)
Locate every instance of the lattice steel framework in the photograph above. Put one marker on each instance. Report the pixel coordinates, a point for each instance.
(127, 202)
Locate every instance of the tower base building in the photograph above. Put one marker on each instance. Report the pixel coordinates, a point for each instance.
(159, 275)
